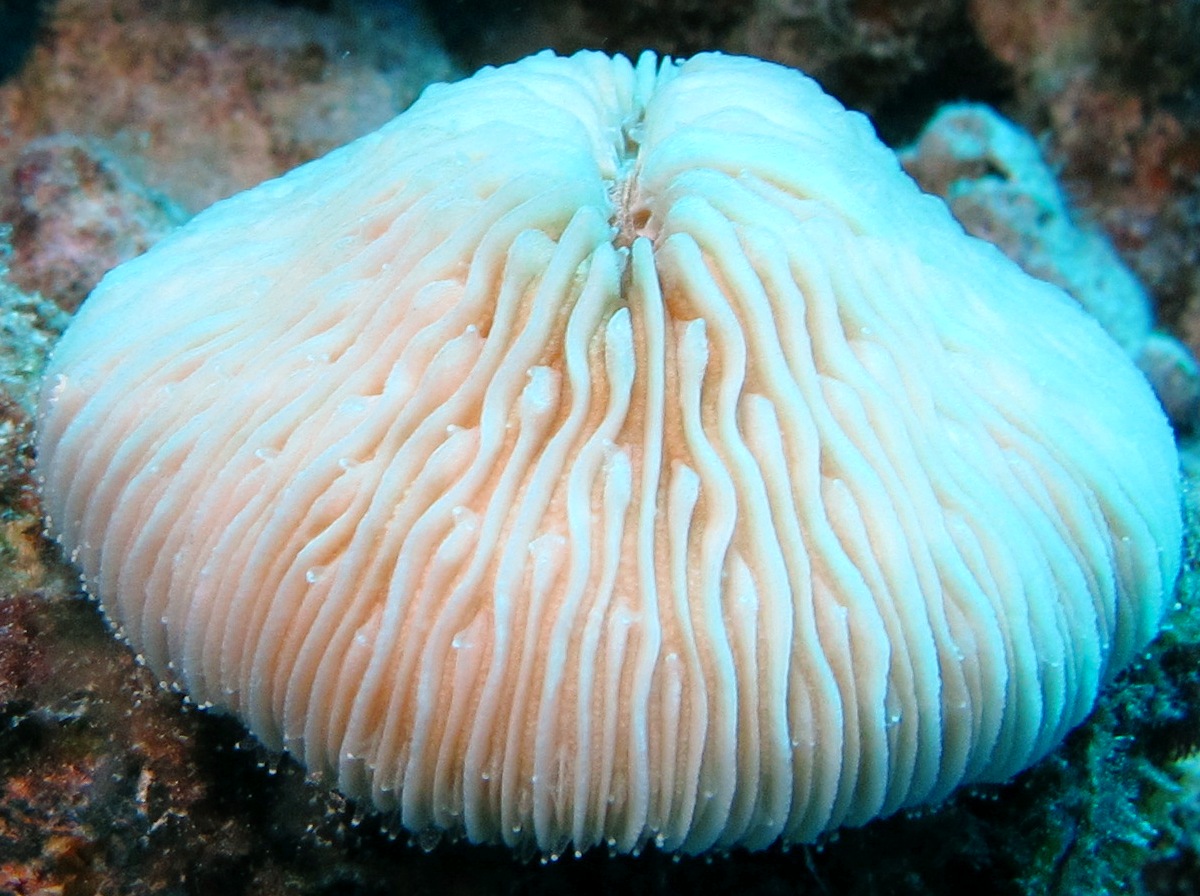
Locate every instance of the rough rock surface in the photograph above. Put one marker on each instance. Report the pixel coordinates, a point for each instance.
(202, 99)
(75, 214)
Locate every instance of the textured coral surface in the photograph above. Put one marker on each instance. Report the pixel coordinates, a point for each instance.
(116, 115)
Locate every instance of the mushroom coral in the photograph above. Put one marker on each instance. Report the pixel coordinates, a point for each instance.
(614, 453)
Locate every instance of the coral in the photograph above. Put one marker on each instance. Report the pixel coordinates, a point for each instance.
(411, 422)
(999, 186)
(200, 98)
(992, 175)
(996, 182)
(1111, 84)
